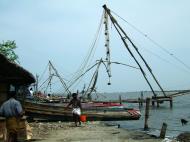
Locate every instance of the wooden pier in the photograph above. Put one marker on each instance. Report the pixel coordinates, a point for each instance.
(156, 100)
(161, 99)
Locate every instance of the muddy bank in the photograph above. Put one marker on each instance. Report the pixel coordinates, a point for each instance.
(184, 137)
(87, 132)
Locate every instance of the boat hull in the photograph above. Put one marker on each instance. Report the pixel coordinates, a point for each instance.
(59, 113)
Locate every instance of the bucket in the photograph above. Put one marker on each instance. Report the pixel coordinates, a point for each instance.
(83, 118)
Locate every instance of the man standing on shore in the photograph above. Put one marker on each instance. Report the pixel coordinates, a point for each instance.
(12, 111)
(76, 105)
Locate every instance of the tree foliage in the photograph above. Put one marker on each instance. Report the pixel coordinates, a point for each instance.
(7, 48)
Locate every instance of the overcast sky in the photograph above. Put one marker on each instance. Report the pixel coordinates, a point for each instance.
(63, 30)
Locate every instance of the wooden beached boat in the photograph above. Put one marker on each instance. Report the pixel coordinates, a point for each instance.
(57, 112)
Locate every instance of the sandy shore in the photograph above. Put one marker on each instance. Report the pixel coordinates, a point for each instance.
(87, 132)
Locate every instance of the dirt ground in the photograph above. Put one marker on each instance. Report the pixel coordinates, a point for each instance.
(87, 132)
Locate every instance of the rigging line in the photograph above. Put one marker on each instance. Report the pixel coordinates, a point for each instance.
(79, 80)
(81, 69)
(95, 81)
(165, 60)
(83, 74)
(96, 45)
(60, 89)
(61, 80)
(43, 73)
(93, 43)
(182, 84)
(91, 81)
(94, 77)
(92, 89)
(97, 37)
(59, 93)
(43, 83)
(136, 49)
(76, 83)
(107, 70)
(42, 88)
(171, 54)
(60, 77)
(49, 83)
(53, 83)
(124, 64)
(92, 55)
(154, 42)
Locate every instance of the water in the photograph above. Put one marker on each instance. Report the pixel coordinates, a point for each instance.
(181, 109)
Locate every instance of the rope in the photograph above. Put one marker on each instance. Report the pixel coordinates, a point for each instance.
(87, 58)
(43, 83)
(165, 60)
(95, 76)
(83, 74)
(43, 72)
(123, 64)
(49, 83)
(154, 42)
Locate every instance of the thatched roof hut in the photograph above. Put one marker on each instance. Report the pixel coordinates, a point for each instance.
(12, 73)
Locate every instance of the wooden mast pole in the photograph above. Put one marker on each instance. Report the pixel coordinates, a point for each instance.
(126, 37)
(123, 39)
(62, 81)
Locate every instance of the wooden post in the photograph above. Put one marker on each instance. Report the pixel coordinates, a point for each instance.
(147, 113)
(120, 101)
(171, 102)
(158, 103)
(142, 98)
(139, 102)
(163, 131)
(153, 101)
(142, 95)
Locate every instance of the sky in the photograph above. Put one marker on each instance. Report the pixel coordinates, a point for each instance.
(63, 31)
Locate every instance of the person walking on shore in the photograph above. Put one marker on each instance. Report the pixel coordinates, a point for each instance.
(12, 111)
(76, 111)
